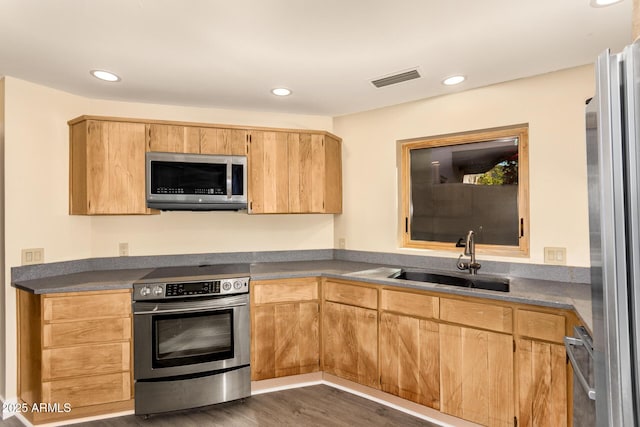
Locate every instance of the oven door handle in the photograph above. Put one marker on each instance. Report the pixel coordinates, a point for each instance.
(188, 306)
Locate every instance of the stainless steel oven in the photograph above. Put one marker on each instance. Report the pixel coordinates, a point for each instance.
(191, 342)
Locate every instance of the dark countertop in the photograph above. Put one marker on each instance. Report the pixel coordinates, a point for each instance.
(527, 291)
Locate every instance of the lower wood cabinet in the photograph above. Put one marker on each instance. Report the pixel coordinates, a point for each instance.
(75, 354)
(285, 328)
(410, 358)
(542, 378)
(350, 342)
(476, 375)
(542, 369)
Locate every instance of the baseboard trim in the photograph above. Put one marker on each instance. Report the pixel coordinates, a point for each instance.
(6, 404)
(375, 395)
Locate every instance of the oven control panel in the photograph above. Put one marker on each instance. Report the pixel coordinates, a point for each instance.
(199, 288)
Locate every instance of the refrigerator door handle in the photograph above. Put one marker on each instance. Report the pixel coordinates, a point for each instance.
(570, 343)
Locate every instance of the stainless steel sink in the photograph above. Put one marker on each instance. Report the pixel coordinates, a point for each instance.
(478, 281)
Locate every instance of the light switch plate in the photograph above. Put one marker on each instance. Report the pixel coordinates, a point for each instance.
(555, 256)
(32, 256)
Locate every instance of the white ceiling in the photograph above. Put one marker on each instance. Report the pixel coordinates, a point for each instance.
(230, 53)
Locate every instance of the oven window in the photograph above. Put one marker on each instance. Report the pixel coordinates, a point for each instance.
(188, 338)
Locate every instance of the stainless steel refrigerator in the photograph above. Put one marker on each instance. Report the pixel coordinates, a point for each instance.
(613, 161)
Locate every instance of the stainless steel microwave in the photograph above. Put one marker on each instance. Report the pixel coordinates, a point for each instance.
(197, 182)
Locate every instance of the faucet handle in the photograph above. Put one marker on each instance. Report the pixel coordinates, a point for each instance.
(461, 264)
(461, 243)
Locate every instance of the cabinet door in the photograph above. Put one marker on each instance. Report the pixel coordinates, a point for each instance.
(476, 374)
(542, 375)
(409, 358)
(315, 174)
(268, 172)
(223, 141)
(115, 168)
(350, 342)
(285, 339)
(173, 138)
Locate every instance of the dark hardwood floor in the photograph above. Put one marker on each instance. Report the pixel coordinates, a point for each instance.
(318, 405)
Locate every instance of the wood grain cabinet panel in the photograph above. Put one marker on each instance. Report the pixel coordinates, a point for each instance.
(291, 172)
(173, 138)
(476, 374)
(361, 296)
(410, 358)
(268, 172)
(350, 343)
(479, 315)
(86, 332)
(223, 141)
(86, 305)
(107, 168)
(77, 361)
(409, 303)
(285, 339)
(315, 173)
(542, 326)
(542, 375)
(75, 348)
(88, 391)
(285, 290)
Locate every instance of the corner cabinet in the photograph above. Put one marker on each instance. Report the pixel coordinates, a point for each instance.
(74, 354)
(289, 171)
(294, 172)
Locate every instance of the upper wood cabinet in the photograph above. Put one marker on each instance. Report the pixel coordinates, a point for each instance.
(197, 140)
(173, 138)
(289, 171)
(107, 168)
(293, 172)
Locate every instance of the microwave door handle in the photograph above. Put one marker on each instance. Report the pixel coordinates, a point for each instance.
(229, 179)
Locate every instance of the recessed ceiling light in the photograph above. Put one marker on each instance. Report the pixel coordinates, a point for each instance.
(281, 91)
(603, 3)
(453, 80)
(104, 75)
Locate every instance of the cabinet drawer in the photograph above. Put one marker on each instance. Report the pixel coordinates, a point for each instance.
(351, 294)
(543, 326)
(410, 304)
(287, 290)
(85, 360)
(88, 305)
(484, 316)
(86, 332)
(87, 391)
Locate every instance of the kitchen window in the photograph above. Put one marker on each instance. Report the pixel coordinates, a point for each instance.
(476, 180)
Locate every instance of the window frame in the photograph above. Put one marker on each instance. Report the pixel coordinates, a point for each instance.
(521, 131)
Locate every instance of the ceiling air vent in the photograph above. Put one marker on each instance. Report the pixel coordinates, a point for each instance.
(396, 78)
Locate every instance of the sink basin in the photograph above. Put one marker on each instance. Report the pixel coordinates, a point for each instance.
(478, 282)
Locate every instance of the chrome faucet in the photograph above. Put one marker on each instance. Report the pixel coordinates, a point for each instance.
(470, 250)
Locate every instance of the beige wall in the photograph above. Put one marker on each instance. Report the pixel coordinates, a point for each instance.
(36, 195)
(2, 263)
(552, 104)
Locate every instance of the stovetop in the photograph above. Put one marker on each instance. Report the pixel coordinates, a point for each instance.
(196, 272)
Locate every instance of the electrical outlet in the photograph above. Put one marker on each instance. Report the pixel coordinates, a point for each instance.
(555, 256)
(32, 256)
(123, 249)
(342, 243)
